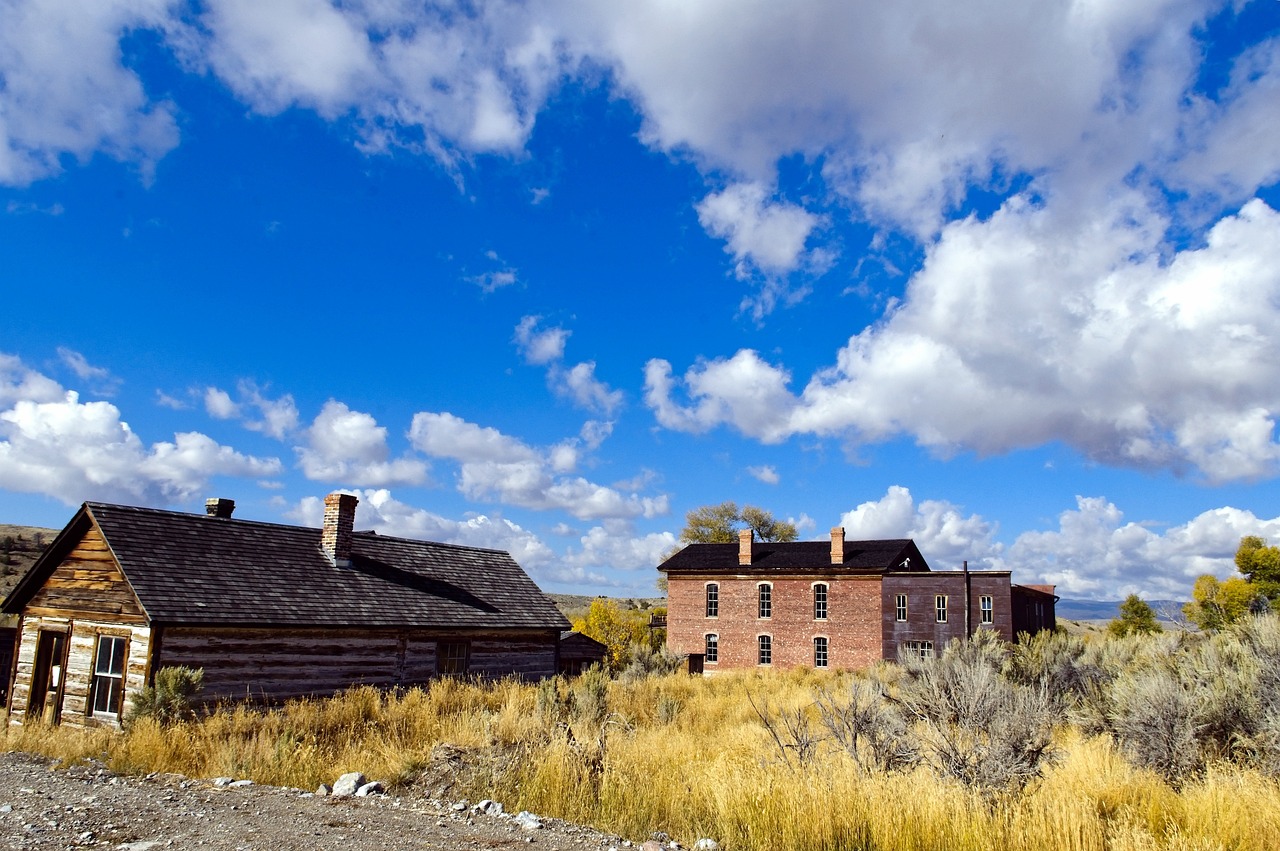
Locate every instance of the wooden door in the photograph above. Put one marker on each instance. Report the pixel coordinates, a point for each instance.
(47, 676)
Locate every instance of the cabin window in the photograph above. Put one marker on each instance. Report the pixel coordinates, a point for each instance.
(108, 675)
(922, 649)
(820, 652)
(765, 608)
(820, 602)
(713, 648)
(453, 657)
(765, 648)
(988, 613)
(902, 607)
(940, 605)
(713, 600)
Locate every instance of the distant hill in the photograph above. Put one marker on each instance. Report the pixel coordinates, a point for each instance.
(20, 546)
(1105, 610)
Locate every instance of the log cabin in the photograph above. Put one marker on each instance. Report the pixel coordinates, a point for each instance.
(757, 604)
(268, 611)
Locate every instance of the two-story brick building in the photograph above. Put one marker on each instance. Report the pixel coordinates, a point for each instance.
(843, 605)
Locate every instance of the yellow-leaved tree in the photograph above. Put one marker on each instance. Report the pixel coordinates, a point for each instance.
(615, 629)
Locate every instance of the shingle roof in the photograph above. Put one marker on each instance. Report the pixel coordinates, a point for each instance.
(191, 568)
(768, 557)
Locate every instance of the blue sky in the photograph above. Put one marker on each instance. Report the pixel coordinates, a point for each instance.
(544, 276)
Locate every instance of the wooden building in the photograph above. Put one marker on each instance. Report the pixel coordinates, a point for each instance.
(268, 611)
(843, 605)
(579, 652)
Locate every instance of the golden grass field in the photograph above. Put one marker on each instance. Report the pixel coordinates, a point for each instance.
(689, 756)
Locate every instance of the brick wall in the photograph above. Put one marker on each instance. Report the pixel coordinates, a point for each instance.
(852, 627)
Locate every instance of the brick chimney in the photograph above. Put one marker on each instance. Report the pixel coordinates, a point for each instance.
(339, 520)
(219, 508)
(744, 546)
(837, 545)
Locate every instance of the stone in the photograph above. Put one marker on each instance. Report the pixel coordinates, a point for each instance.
(651, 845)
(240, 784)
(372, 788)
(222, 782)
(323, 789)
(706, 845)
(528, 820)
(488, 807)
(346, 785)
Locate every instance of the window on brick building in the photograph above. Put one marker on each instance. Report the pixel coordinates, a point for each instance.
(923, 649)
(988, 613)
(902, 607)
(820, 652)
(713, 648)
(940, 605)
(820, 602)
(765, 651)
(713, 600)
(765, 605)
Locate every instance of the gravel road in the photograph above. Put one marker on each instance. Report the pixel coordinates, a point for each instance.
(87, 806)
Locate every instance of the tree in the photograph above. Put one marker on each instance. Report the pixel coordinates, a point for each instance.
(613, 628)
(1136, 618)
(1260, 565)
(1216, 604)
(720, 524)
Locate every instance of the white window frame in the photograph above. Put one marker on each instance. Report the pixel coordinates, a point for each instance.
(940, 608)
(109, 679)
(922, 649)
(900, 608)
(986, 608)
(820, 608)
(764, 650)
(711, 648)
(712, 600)
(764, 601)
(821, 651)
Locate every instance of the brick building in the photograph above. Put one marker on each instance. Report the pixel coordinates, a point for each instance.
(843, 605)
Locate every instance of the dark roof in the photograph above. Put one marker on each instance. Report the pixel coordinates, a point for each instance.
(810, 556)
(196, 569)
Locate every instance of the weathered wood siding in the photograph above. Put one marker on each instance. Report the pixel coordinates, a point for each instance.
(77, 677)
(87, 585)
(277, 664)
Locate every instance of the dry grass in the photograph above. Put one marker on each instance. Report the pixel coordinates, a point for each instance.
(689, 756)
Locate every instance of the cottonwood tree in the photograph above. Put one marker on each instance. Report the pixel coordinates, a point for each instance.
(1136, 618)
(1260, 565)
(1215, 604)
(720, 524)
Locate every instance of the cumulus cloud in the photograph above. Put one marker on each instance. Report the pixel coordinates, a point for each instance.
(766, 473)
(52, 443)
(545, 347)
(218, 404)
(1025, 329)
(350, 447)
(380, 511)
(615, 546)
(100, 378)
(494, 466)
(945, 535)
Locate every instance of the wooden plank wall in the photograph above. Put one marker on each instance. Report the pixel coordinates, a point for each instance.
(277, 664)
(78, 673)
(87, 585)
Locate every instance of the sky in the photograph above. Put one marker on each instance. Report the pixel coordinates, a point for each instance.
(544, 276)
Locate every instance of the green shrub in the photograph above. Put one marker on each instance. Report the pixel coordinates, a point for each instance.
(169, 700)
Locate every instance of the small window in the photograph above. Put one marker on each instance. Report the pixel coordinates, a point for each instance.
(820, 652)
(988, 613)
(766, 649)
(766, 601)
(820, 602)
(713, 600)
(453, 657)
(713, 648)
(108, 675)
(923, 649)
(902, 607)
(940, 603)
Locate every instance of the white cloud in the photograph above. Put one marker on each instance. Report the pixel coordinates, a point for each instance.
(74, 451)
(1094, 554)
(766, 473)
(379, 511)
(539, 346)
(218, 404)
(494, 466)
(614, 546)
(66, 92)
(945, 536)
(103, 382)
(579, 383)
(350, 447)
(761, 233)
(1026, 329)
(277, 418)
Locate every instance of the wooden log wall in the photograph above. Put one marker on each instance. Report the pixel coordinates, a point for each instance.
(87, 585)
(278, 664)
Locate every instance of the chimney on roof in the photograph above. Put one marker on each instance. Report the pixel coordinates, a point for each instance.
(219, 508)
(744, 546)
(837, 545)
(339, 520)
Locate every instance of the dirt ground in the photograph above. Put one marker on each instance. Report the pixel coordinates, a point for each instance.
(87, 806)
